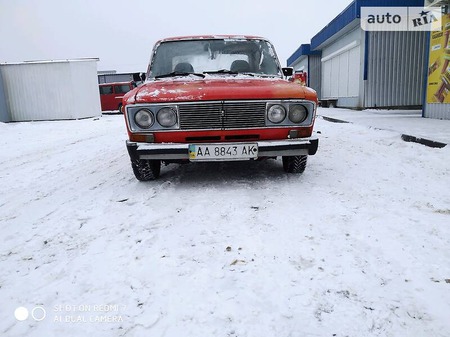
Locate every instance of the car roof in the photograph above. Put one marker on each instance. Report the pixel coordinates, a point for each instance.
(211, 37)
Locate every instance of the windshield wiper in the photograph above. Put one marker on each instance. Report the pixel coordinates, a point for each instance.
(249, 74)
(221, 71)
(178, 73)
(228, 72)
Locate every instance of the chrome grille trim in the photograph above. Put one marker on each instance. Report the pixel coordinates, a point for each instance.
(244, 115)
(200, 116)
(222, 115)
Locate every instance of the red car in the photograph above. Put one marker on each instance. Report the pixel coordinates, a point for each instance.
(218, 98)
(111, 94)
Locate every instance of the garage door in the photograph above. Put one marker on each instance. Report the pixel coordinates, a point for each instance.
(341, 72)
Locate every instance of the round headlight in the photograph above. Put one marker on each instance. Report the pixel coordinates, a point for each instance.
(167, 117)
(144, 118)
(276, 113)
(297, 113)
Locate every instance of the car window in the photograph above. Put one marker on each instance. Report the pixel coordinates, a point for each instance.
(105, 90)
(122, 89)
(206, 56)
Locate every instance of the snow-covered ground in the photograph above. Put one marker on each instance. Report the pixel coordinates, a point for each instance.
(356, 246)
(409, 122)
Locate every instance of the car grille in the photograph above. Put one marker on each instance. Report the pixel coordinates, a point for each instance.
(222, 115)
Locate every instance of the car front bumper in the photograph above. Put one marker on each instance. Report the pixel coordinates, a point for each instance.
(178, 151)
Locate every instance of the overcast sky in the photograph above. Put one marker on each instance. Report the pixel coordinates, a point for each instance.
(122, 33)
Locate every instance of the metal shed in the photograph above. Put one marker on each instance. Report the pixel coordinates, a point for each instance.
(361, 69)
(50, 90)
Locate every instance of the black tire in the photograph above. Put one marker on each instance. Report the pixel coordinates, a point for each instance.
(294, 164)
(145, 170)
(120, 108)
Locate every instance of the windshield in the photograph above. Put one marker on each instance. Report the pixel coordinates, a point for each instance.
(236, 56)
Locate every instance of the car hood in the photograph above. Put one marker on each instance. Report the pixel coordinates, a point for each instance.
(189, 89)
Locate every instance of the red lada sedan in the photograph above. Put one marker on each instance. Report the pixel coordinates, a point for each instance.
(218, 98)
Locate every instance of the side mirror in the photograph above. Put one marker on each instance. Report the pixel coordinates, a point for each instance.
(288, 71)
(138, 77)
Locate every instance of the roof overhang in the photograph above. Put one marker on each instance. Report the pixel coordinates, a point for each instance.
(303, 51)
(349, 18)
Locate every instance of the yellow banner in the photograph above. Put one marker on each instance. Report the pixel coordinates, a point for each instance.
(438, 90)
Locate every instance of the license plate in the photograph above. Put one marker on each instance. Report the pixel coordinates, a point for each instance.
(214, 152)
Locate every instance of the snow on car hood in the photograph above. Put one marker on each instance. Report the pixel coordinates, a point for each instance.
(185, 89)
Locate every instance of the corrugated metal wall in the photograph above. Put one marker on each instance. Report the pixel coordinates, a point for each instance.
(395, 69)
(33, 91)
(315, 71)
(86, 92)
(51, 90)
(4, 116)
(438, 111)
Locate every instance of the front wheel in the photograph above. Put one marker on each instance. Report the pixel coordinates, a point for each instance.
(294, 164)
(120, 108)
(145, 170)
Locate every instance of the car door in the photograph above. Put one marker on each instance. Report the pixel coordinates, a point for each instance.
(107, 98)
